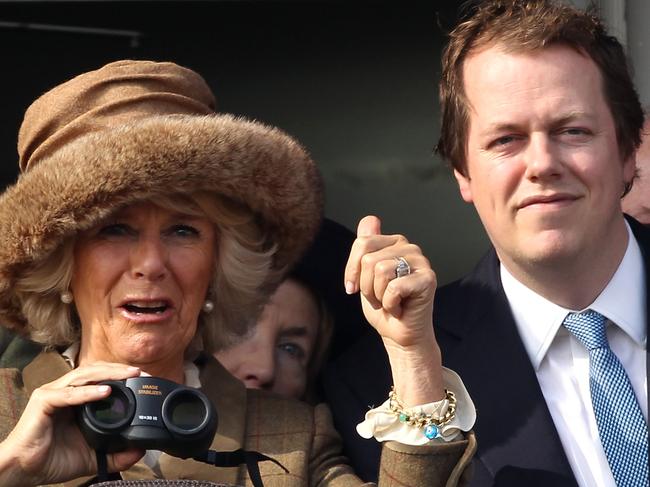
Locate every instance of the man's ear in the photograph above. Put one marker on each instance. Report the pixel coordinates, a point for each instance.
(629, 166)
(464, 186)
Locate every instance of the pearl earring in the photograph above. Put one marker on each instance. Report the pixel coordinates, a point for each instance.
(208, 306)
(66, 297)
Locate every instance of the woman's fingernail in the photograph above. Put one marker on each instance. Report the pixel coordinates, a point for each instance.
(133, 369)
(349, 287)
(103, 388)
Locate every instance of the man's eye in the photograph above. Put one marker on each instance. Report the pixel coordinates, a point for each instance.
(575, 131)
(574, 135)
(293, 349)
(501, 141)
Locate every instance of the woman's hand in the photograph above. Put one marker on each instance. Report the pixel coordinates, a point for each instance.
(399, 308)
(46, 446)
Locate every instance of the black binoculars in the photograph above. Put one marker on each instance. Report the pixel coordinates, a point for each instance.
(149, 413)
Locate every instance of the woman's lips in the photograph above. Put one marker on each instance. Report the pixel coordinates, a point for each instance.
(147, 311)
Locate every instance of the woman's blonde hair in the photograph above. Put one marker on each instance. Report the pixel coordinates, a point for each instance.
(243, 278)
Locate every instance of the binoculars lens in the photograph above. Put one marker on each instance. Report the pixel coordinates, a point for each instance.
(111, 410)
(186, 411)
(114, 411)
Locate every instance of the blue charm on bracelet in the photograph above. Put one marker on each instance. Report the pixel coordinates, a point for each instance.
(431, 432)
(430, 423)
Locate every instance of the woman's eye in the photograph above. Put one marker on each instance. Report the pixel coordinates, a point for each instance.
(294, 350)
(184, 231)
(115, 230)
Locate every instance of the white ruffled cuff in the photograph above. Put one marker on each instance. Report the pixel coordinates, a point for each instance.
(384, 425)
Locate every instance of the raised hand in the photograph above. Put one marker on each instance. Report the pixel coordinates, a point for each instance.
(399, 308)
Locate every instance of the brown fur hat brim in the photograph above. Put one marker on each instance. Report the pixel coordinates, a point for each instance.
(89, 178)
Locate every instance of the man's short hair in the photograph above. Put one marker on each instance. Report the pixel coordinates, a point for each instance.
(526, 26)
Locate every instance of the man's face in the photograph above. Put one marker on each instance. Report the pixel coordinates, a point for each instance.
(544, 168)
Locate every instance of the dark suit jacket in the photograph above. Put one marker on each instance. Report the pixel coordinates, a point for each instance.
(517, 441)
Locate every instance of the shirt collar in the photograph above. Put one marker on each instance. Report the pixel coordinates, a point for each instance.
(622, 301)
(70, 354)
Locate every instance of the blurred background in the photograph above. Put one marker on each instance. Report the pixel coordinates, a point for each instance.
(354, 81)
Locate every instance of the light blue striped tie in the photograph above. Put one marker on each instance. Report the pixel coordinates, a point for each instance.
(621, 426)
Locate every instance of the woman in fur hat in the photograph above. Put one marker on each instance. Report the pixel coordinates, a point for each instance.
(143, 229)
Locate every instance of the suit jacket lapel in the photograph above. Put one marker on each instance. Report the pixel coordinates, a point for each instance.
(642, 235)
(480, 341)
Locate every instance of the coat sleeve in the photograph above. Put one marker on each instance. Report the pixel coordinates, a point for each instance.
(12, 400)
(440, 464)
(327, 466)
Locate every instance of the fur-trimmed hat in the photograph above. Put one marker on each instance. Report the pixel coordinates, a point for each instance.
(133, 130)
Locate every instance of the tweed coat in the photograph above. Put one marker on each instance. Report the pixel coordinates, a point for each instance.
(300, 437)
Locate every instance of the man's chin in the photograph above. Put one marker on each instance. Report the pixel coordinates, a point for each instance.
(549, 248)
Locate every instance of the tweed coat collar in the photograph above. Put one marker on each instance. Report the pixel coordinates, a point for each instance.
(226, 393)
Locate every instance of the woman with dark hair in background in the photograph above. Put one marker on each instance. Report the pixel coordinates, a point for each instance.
(308, 317)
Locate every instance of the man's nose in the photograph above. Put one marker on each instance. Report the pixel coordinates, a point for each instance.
(542, 158)
(149, 259)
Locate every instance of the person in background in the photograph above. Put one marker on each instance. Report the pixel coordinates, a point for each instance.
(540, 122)
(143, 229)
(283, 345)
(306, 316)
(636, 202)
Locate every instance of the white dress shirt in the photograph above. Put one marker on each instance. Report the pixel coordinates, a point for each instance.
(562, 362)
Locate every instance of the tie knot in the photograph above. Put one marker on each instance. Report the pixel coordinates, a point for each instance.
(588, 327)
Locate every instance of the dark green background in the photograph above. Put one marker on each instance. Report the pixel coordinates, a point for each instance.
(356, 82)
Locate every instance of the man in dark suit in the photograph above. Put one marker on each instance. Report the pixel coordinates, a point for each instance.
(540, 123)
